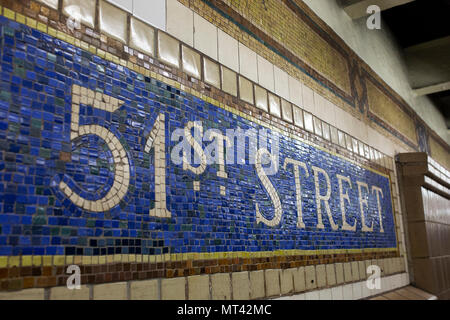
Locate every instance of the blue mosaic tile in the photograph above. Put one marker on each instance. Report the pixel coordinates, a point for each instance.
(37, 76)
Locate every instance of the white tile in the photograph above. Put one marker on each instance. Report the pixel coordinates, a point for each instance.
(180, 22)
(323, 109)
(113, 21)
(265, 74)
(123, 4)
(295, 91)
(142, 37)
(51, 3)
(229, 82)
(205, 36)
(228, 51)
(211, 72)
(365, 292)
(308, 121)
(405, 279)
(299, 297)
(357, 291)
(82, 10)
(298, 116)
(274, 105)
(337, 293)
(191, 62)
(360, 130)
(312, 295)
(281, 83)
(247, 63)
(331, 111)
(154, 14)
(245, 90)
(168, 49)
(325, 294)
(347, 291)
(261, 98)
(308, 99)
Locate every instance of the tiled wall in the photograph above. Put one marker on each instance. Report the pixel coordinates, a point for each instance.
(66, 89)
(427, 200)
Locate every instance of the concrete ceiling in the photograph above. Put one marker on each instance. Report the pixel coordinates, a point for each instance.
(422, 29)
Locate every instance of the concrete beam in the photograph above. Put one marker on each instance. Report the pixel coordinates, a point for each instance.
(429, 66)
(358, 8)
(432, 89)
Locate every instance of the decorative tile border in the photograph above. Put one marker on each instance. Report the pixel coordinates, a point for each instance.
(244, 110)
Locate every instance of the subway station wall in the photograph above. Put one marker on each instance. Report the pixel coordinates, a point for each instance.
(93, 134)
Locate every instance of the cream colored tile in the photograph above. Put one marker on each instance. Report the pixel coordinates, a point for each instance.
(198, 287)
(113, 21)
(265, 74)
(298, 116)
(180, 22)
(317, 126)
(211, 72)
(324, 109)
(308, 99)
(295, 91)
(156, 16)
(336, 293)
(168, 49)
(245, 90)
(261, 98)
(145, 290)
(274, 105)
(281, 83)
(334, 135)
(205, 36)
(355, 145)
(229, 81)
(110, 291)
(82, 10)
(348, 292)
(228, 51)
(247, 63)
(326, 131)
(308, 121)
(286, 108)
(325, 294)
(191, 62)
(51, 3)
(142, 37)
(126, 5)
(27, 294)
(310, 276)
(341, 138)
(330, 113)
(348, 142)
(312, 295)
(64, 293)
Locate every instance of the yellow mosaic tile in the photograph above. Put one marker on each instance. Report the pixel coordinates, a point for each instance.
(42, 27)
(61, 35)
(382, 106)
(9, 13)
(20, 18)
(59, 260)
(31, 22)
(14, 261)
(37, 260)
(3, 262)
(27, 261)
(47, 261)
(52, 32)
(69, 260)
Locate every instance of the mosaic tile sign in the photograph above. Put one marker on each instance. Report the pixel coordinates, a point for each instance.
(88, 167)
